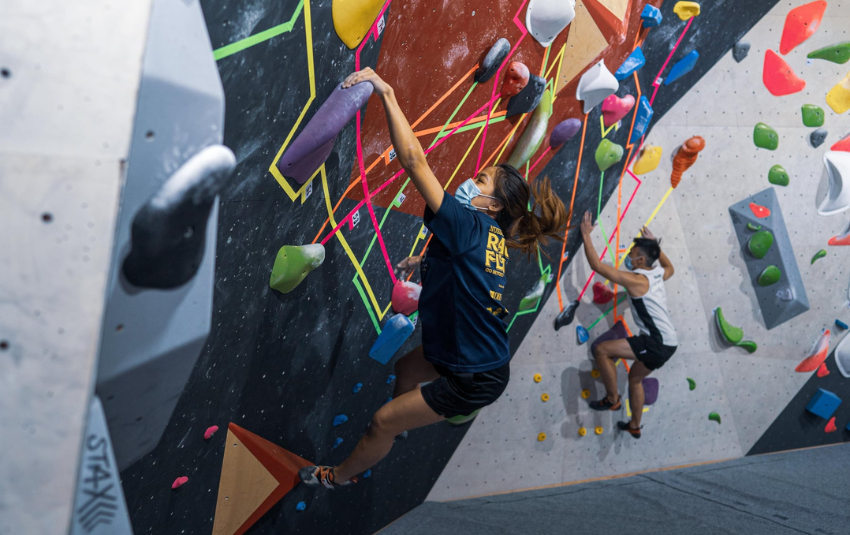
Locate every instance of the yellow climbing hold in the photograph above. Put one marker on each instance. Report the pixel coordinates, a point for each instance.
(685, 10)
(585, 393)
(598, 430)
(541, 437)
(838, 97)
(353, 18)
(595, 374)
(537, 377)
(544, 397)
(648, 160)
(582, 431)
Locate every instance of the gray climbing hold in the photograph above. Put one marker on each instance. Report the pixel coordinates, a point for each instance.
(493, 60)
(527, 99)
(817, 137)
(740, 51)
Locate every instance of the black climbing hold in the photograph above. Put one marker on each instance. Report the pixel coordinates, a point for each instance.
(493, 60)
(527, 99)
(168, 235)
(740, 51)
(567, 315)
(818, 137)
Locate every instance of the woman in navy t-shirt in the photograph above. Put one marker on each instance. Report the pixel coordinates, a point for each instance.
(465, 354)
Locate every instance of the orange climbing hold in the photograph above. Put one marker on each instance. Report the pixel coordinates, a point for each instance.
(843, 144)
(685, 158)
(830, 426)
(800, 24)
(817, 355)
(601, 293)
(759, 211)
(516, 78)
(823, 371)
(778, 77)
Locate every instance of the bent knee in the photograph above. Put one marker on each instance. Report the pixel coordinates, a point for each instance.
(382, 422)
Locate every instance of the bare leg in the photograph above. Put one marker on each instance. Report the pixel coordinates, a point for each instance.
(637, 374)
(606, 355)
(403, 413)
(411, 370)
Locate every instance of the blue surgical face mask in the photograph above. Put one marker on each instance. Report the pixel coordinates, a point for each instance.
(628, 263)
(468, 191)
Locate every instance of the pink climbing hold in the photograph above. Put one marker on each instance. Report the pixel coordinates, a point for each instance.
(842, 144)
(516, 78)
(179, 482)
(830, 426)
(615, 108)
(210, 432)
(405, 297)
(800, 24)
(823, 371)
(602, 294)
(759, 211)
(778, 77)
(817, 355)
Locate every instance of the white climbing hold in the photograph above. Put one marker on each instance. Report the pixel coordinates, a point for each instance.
(842, 357)
(838, 168)
(596, 85)
(545, 19)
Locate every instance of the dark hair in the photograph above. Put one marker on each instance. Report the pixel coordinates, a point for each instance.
(530, 214)
(650, 249)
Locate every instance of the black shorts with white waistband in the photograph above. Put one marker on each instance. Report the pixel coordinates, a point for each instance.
(652, 353)
(460, 394)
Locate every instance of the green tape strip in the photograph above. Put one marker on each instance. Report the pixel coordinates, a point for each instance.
(239, 46)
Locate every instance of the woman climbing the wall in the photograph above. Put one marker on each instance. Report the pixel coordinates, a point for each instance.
(465, 353)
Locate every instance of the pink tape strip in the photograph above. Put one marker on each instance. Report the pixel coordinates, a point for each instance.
(657, 76)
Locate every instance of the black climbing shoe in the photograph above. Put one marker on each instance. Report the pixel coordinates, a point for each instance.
(313, 476)
(605, 405)
(567, 315)
(626, 426)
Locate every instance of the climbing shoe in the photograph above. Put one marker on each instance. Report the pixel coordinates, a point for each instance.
(313, 476)
(605, 405)
(627, 426)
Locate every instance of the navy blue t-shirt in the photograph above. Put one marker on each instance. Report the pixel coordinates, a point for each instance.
(463, 277)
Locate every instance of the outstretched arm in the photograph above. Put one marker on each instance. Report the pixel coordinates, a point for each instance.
(406, 145)
(635, 284)
(663, 260)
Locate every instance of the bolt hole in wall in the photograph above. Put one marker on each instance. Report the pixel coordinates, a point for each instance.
(47, 217)
(149, 135)
(4, 345)
(5, 73)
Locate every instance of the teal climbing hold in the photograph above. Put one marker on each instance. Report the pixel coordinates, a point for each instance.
(582, 334)
(841, 325)
(778, 176)
(293, 263)
(760, 243)
(765, 137)
(395, 333)
(839, 53)
(608, 153)
(818, 255)
(812, 115)
(682, 67)
(770, 275)
(635, 61)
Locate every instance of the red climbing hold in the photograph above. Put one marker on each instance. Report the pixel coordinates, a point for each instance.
(516, 78)
(800, 24)
(823, 371)
(179, 482)
(210, 432)
(405, 297)
(817, 355)
(759, 211)
(830, 426)
(601, 293)
(778, 77)
(843, 144)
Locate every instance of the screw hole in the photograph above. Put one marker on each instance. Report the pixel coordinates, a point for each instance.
(4, 345)
(5, 73)
(149, 135)
(119, 327)
(47, 217)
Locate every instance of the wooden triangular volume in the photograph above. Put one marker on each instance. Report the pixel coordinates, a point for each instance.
(612, 17)
(585, 43)
(255, 475)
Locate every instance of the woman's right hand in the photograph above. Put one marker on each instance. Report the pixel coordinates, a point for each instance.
(367, 75)
(408, 265)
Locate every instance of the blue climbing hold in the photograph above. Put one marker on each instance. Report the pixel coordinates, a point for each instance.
(651, 16)
(337, 442)
(396, 332)
(643, 115)
(357, 388)
(367, 473)
(840, 324)
(390, 379)
(634, 62)
(340, 419)
(682, 67)
(301, 506)
(583, 335)
(823, 403)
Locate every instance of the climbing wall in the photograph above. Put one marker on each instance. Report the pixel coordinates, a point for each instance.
(759, 398)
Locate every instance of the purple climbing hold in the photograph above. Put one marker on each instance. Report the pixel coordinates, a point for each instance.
(616, 332)
(564, 132)
(493, 60)
(310, 149)
(650, 390)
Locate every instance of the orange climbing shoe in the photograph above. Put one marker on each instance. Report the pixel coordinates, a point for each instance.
(627, 426)
(313, 476)
(605, 405)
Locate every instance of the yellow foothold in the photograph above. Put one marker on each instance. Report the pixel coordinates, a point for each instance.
(354, 18)
(585, 393)
(545, 397)
(838, 97)
(598, 430)
(541, 437)
(686, 10)
(537, 377)
(648, 160)
(582, 431)
(595, 374)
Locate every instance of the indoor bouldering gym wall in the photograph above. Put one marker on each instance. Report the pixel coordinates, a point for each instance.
(201, 295)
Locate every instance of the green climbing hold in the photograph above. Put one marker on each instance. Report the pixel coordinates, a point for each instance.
(839, 53)
(714, 417)
(818, 255)
(778, 176)
(607, 154)
(530, 301)
(461, 419)
(749, 345)
(692, 384)
(765, 137)
(730, 333)
(760, 243)
(753, 227)
(770, 275)
(293, 264)
(812, 115)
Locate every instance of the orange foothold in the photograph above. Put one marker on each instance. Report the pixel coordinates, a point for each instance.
(537, 377)
(179, 482)
(582, 431)
(778, 77)
(823, 371)
(544, 397)
(585, 393)
(541, 437)
(685, 158)
(516, 78)
(598, 430)
(595, 373)
(759, 211)
(830, 426)
(800, 24)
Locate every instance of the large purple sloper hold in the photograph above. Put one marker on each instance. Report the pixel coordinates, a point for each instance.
(564, 132)
(313, 145)
(650, 390)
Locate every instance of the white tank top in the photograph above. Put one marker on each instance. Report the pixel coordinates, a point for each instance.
(650, 310)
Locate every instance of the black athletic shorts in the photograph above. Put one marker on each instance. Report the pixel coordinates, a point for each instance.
(459, 394)
(652, 353)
